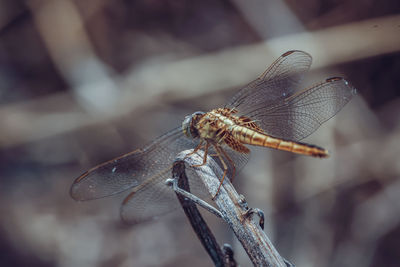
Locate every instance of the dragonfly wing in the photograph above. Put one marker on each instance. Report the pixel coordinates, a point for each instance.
(153, 198)
(132, 169)
(278, 82)
(238, 159)
(297, 116)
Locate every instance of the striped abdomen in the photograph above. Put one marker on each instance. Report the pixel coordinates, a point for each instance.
(251, 137)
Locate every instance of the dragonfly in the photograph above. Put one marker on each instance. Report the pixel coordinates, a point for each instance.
(271, 111)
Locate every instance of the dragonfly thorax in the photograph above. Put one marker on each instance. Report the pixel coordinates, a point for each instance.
(188, 124)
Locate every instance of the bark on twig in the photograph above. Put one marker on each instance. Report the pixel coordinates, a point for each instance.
(201, 229)
(253, 239)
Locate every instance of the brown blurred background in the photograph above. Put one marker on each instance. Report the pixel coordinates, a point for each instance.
(82, 82)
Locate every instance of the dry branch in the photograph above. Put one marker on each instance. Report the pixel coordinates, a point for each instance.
(235, 212)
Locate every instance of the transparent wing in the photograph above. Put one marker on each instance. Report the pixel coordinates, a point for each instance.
(300, 114)
(132, 169)
(274, 102)
(153, 197)
(144, 172)
(278, 82)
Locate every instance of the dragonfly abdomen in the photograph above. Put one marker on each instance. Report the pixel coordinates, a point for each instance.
(251, 137)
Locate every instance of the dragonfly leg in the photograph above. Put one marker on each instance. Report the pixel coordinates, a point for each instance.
(196, 149)
(218, 149)
(230, 162)
(204, 157)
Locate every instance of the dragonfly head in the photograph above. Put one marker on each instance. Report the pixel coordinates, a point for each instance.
(188, 124)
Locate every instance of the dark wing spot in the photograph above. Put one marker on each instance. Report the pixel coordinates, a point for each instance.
(288, 53)
(333, 79)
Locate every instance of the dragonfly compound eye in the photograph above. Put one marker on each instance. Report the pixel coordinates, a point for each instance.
(188, 124)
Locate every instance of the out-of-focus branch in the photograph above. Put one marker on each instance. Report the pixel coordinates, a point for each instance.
(253, 239)
(237, 66)
(182, 79)
(63, 31)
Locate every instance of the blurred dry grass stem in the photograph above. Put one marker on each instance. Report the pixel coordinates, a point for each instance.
(181, 79)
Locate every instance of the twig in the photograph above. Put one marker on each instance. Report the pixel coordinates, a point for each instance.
(199, 226)
(229, 260)
(255, 242)
(178, 172)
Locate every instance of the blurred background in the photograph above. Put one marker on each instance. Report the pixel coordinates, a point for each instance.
(82, 82)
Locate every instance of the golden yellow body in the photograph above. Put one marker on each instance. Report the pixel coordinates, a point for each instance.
(221, 126)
